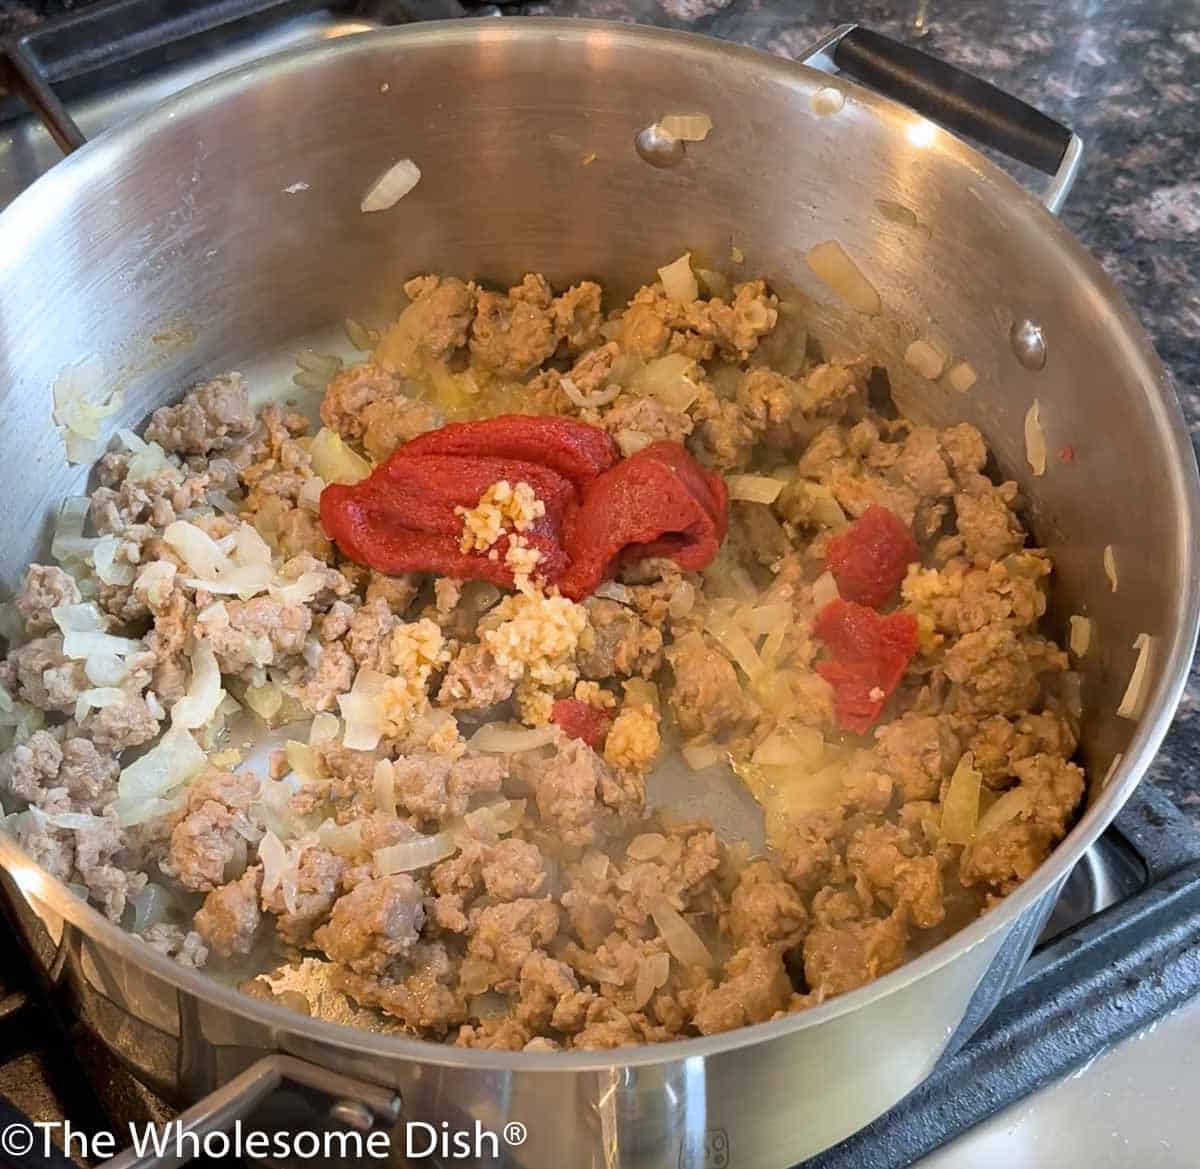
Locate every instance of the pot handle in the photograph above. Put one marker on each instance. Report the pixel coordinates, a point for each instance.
(101, 41)
(957, 100)
(357, 1104)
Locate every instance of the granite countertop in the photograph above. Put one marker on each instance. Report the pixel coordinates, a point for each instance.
(1124, 74)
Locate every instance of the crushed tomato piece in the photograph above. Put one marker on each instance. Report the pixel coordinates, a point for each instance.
(600, 510)
(870, 652)
(870, 557)
(581, 720)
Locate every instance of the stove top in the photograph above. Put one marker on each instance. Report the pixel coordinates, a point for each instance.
(1057, 1075)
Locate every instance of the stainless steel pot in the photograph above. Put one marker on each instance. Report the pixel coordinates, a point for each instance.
(171, 247)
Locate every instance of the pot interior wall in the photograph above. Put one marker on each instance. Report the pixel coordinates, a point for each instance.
(231, 229)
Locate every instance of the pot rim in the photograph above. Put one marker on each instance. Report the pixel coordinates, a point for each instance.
(19, 221)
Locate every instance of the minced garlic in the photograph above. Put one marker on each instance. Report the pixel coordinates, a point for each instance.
(595, 695)
(534, 704)
(502, 506)
(535, 636)
(522, 559)
(417, 649)
(633, 739)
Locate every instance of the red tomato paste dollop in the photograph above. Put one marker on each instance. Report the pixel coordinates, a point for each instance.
(600, 510)
(580, 720)
(870, 652)
(870, 557)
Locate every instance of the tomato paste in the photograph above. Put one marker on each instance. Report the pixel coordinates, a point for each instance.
(581, 720)
(870, 557)
(870, 652)
(600, 510)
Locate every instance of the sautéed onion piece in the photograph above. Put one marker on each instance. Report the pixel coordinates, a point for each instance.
(391, 186)
(1134, 699)
(833, 267)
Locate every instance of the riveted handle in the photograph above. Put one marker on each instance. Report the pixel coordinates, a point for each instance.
(957, 100)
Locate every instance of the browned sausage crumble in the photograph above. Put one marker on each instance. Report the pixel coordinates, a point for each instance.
(431, 853)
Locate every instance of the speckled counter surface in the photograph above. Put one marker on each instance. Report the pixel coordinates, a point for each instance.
(1125, 75)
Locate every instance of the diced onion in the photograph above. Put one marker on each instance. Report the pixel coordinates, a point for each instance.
(105, 670)
(754, 488)
(303, 761)
(309, 495)
(614, 591)
(86, 645)
(299, 591)
(1013, 803)
(344, 839)
(362, 709)
(926, 359)
(1080, 637)
(1134, 698)
(960, 808)
(962, 377)
(669, 380)
(800, 748)
(139, 811)
(631, 441)
(1035, 439)
(69, 543)
(684, 943)
(204, 694)
(274, 859)
(334, 461)
(98, 698)
(146, 459)
(733, 639)
(82, 618)
(196, 547)
(155, 581)
(503, 738)
(824, 590)
(589, 401)
(683, 600)
(243, 580)
(72, 821)
(324, 729)
(265, 700)
(700, 756)
(1110, 566)
(391, 186)
(764, 619)
(104, 556)
(833, 267)
(76, 414)
(678, 279)
(828, 100)
(173, 760)
(414, 854)
(383, 784)
(652, 974)
(495, 819)
(686, 127)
